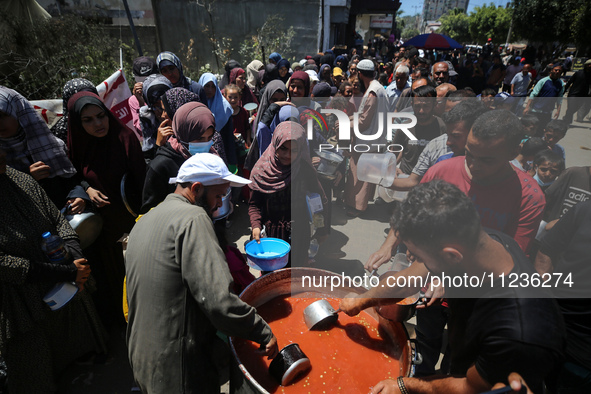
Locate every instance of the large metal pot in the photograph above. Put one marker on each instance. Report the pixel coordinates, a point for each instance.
(289, 281)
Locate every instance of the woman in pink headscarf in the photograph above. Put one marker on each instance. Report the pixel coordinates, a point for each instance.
(193, 126)
(284, 170)
(238, 78)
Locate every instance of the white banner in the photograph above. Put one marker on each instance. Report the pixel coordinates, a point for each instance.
(115, 93)
(49, 110)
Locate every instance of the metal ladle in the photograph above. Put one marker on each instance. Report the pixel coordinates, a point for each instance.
(320, 315)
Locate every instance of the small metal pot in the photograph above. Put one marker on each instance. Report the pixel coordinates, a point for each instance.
(329, 162)
(88, 226)
(227, 207)
(401, 312)
(290, 363)
(320, 315)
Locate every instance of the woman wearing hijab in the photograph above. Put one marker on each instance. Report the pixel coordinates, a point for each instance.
(268, 125)
(270, 73)
(325, 74)
(170, 66)
(31, 148)
(283, 69)
(222, 112)
(238, 78)
(252, 76)
(276, 93)
(193, 126)
(274, 58)
(284, 171)
(298, 85)
(73, 86)
(341, 62)
(230, 65)
(103, 151)
(39, 344)
(151, 113)
(172, 100)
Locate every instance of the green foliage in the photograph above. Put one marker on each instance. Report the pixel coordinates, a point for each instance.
(548, 21)
(490, 21)
(38, 60)
(409, 32)
(456, 24)
(273, 37)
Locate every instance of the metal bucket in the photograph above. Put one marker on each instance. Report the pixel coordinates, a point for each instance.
(329, 162)
(289, 281)
(227, 207)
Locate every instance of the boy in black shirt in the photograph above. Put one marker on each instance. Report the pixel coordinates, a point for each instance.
(494, 329)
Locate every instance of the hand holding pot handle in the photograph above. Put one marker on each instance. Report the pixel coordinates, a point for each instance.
(270, 349)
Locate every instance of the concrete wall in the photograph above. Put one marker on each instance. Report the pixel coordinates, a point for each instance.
(141, 10)
(180, 20)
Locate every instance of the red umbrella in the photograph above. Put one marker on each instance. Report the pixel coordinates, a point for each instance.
(433, 41)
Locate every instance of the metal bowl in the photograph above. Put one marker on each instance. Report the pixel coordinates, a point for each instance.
(227, 207)
(88, 226)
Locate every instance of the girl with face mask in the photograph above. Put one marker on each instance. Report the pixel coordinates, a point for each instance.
(193, 127)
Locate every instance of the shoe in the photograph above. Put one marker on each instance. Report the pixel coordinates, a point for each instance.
(352, 212)
(379, 201)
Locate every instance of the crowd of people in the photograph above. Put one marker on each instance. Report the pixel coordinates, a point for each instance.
(489, 191)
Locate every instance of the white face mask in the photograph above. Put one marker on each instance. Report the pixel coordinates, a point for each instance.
(200, 147)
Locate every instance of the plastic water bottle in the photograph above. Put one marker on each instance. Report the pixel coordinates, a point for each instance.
(61, 293)
(53, 246)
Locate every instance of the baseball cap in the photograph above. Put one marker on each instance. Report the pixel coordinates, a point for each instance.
(588, 62)
(337, 71)
(490, 39)
(450, 68)
(144, 66)
(365, 65)
(208, 169)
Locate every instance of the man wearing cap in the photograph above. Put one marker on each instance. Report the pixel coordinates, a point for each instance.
(178, 286)
(337, 76)
(374, 105)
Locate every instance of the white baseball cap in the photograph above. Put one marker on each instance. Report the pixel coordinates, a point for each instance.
(366, 65)
(208, 169)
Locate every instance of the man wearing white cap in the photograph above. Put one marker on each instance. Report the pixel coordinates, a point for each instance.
(178, 286)
(374, 105)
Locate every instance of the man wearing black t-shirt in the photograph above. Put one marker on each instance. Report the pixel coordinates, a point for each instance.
(493, 329)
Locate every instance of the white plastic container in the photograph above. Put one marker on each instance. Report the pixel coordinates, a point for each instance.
(60, 295)
(377, 168)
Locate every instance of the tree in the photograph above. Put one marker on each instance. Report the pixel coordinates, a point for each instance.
(456, 24)
(490, 22)
(548, 21)
(37, 60)
(409, 32)
(271, 37)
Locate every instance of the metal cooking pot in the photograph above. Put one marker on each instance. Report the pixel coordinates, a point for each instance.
(227, 207)
(88, 226)
(289, 281)
(401, 312)
(130, 199)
